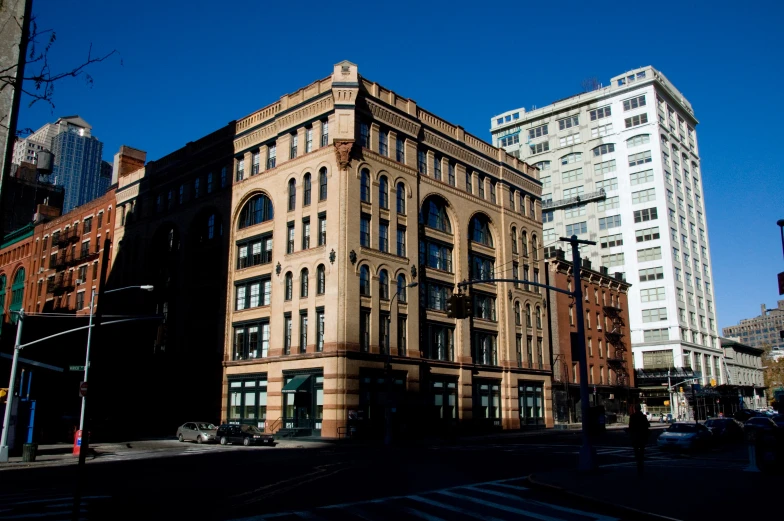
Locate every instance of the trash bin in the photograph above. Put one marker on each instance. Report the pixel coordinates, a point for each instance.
(28, 452)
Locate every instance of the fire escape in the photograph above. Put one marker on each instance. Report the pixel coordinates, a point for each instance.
(614, 337)
(64, 282)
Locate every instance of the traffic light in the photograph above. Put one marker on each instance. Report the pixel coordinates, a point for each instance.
(468, 310)
(713, 382)
(3, 394)
(452, 305)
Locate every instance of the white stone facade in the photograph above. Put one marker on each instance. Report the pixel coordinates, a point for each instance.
(634, 140)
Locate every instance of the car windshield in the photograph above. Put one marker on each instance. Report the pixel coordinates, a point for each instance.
(682, 427)
(206, 426)
(251, 428)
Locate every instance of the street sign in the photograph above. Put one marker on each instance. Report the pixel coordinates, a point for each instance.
(83, 389)
(76, 368)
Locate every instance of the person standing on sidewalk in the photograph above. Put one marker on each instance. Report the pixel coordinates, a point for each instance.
(638, 430)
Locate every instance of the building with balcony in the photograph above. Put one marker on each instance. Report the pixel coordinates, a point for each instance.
(620, 165)
(345, 195)
(607, 340)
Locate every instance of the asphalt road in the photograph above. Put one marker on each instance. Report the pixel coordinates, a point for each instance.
(424, 481)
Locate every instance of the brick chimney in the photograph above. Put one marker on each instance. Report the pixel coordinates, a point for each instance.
(127, 160)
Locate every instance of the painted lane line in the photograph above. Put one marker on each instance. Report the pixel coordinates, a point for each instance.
(505, 508)
(451, 508)
(423, 515)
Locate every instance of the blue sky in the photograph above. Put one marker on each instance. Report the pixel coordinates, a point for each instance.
(185, 68)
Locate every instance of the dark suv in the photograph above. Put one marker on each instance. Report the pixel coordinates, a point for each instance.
(245, 434)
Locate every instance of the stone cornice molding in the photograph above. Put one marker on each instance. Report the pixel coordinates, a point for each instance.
(383, 256)
(393, 119)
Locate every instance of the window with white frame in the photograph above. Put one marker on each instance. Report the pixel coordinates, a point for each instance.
(607, 184)
(633, 103)
(572, 175)
(573, 192)
(643, 196)
(609, 203)
(638, 140)
(613, 221)
(649, 254)
(649, 274)
(648, 214)
(537, 132)
(543, 165)
(607, 148)
(601, 112)
(571, 121)
(614, 259)
(647, 234)
(546, 181)
(655, 335)
(652, 294)
(646, 176)
(654, 315)
(540, 147)
(609, 241)
(571, 139)
(637, 120)
(572, 158)
(548, 236)
(576, 229)
(601, 130)
(604, 168)
(640, 158)
(574, 211)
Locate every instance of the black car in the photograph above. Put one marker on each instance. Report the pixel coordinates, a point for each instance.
(725, 429)
(245, 434)
(743, 415)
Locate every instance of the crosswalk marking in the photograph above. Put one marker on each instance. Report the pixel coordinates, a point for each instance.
(499, 506)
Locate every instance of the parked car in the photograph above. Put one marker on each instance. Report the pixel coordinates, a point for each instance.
(761, 424)
(744, 414)
(245, 434)
(200, 432)
(725, 429)
(685, 436)
(778, 420)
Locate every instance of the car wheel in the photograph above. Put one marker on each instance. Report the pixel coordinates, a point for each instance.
(179, 437)
(199, 440)
(223, 440)
(246, 441)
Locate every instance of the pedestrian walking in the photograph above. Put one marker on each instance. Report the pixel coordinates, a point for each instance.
(638, 430)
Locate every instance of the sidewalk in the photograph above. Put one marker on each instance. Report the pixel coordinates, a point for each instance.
(693, 488)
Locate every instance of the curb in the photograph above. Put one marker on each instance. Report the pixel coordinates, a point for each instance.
(622, 510)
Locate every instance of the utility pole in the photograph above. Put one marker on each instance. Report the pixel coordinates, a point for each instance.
(11, 388)
(587, 452)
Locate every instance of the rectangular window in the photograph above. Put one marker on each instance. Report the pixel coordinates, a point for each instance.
(646, 176)
(290, 238)
(451, 173)
(383, 333)
(655, 335)
(240, 170)
(469, 181)
(537, 131)
(652, 294)
(647, 234)
(640, 158)
(649, 214)
(609, 241)
(613, 221)
(654, 315)
(320, 329)
(571, 121)
(287, 331)
(634, 121)
(540, 147)
(573, 192)
(649, 254)
(615, 259)
(383, 138)
(364, 135)
(272, 156)
(600, 113)
(364, 231)
(306, 233)
(572, 175)
(609, 203)
(400, 149)
(649, 274)
(437, 168)
(293, 146)
(601, 130)
(256, 165)
(308, 139)
(401, 241)
(422, 161)
(383, 236)
(607, 184)
(303, 331)
(571, 139)
(633, 103)
(576, 229)
(322, 233)
(605, 167)
(644, 196)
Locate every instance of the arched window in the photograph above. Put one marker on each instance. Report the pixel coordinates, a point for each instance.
(517, 313)
(401, 288)
(434, 214)
(321, 280)
(364, 187)
(292, 194)
(383, 285)
(479, 230)
(401, 198)
(524, 240)
(514, 240)
(383, 192)
(535, 246)
(257, 210)
(306, 190)
(538, 317)
(303, 283)
(323, 184)
(17, 290)
(3, 282)
(289, 292)
(364, 280)
(528, 315)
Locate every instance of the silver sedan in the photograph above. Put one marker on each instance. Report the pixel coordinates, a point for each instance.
(200, 432)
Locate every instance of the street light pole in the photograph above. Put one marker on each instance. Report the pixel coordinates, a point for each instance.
(388, 368)
(11, 387)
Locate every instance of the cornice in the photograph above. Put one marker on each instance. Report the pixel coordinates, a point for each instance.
(384, 256)
(393, 119)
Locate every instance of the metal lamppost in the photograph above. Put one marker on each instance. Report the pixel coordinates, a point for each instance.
(388, 368)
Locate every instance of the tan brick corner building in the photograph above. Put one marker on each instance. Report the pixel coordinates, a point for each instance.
(346, 194)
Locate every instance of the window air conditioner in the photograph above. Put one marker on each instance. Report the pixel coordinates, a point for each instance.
(79, 281)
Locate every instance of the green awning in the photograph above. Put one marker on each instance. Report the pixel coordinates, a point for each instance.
(298, 384)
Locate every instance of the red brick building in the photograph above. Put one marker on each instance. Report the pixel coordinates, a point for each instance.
(607, 337)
